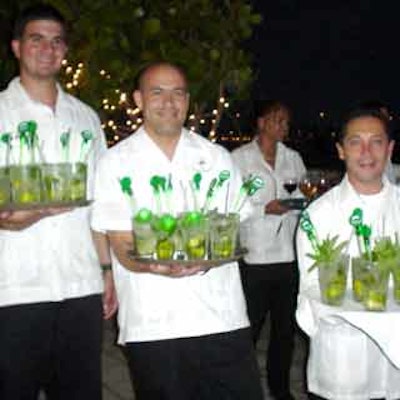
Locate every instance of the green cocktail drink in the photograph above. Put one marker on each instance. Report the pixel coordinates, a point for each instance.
(223, 234)
(5, 189)
(370, 284)
(164, 226)
(26, 183)
(77, 181)
(194, 232)
(144, 237)
(55, 178)
(332, 278)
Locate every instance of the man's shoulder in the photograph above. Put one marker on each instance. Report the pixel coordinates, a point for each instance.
(205, 144)
(7, 95)
(244, 153)
(125, 148)
(327, 202)
(78, 104)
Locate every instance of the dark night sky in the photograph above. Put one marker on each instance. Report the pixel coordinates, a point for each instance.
(325, 55)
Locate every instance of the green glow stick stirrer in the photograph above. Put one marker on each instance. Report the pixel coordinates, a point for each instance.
(215, 184)
(307, 226)
(23, 140)
(6, 139)
(126, 187)
(65, 140)
(195, 187)
(249, 187)
(210, 193)
(356, 219)
(362, 232)
(87, 137)
(254, 185)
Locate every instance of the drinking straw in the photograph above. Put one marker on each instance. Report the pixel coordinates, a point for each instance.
(168, 192)
(87, 137)
(126, 187)
(65, 140)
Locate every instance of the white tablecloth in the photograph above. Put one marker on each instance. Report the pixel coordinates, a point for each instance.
(383, 327)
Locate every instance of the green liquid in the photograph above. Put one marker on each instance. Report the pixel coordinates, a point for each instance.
(25, 184)
(223, 247)
(334, 291)
(196, 247)
(165, 249)
(375, 301)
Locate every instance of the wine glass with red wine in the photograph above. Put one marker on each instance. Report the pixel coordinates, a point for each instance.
(290, 185)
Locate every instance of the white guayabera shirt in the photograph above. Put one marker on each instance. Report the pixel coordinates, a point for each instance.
(53, 259)
(353, 354)
(153, 307)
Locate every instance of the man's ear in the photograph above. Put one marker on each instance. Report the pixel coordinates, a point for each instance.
(15, 46)
(137, 98)
(340, 151)
(391, 147)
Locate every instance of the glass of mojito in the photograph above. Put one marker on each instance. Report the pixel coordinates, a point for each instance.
(55, 181)
(194, 234)
(144, 236)
(26, 183)
(370, 283)
(77, 181)
(332, 277)
(5, 189)
(165, 226)
(223, 230)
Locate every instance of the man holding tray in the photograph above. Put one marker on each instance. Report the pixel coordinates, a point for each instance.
(186, 332)
(50, 279)
(354, 354)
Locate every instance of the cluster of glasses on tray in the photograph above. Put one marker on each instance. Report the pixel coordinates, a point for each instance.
(42, 183)
(370, 282)
(200, 233)
(370, 271)
(26, 178)
(190, 235)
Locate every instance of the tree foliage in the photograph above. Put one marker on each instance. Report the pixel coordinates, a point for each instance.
(120, 36)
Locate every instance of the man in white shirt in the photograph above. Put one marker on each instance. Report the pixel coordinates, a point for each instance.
(185, 331)
(346, 360)
(269, 273)
(50, 278)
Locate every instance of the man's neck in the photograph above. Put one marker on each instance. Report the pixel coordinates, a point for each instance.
(43, 91)
(367, 189)
(268, 148)
(167, 144)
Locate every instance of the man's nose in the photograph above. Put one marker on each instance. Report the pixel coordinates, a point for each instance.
(47, 45)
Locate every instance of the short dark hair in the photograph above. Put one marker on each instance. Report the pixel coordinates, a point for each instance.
(361, 112)
(156, 64)
(36, 12)
(266, 107)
